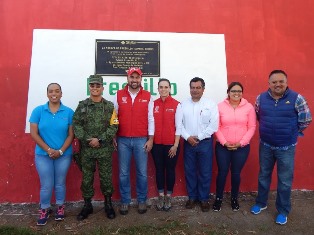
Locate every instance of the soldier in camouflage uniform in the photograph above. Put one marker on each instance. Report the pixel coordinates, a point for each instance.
(95, 125)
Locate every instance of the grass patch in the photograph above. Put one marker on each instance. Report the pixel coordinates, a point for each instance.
(263, 227)
(10, 230)
(171, 227)
(168, 228)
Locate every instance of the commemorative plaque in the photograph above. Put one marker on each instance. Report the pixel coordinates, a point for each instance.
(115, 57)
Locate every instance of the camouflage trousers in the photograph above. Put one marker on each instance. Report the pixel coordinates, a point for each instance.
(105, 175)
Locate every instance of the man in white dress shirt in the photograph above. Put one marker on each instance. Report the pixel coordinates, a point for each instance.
(200, 122)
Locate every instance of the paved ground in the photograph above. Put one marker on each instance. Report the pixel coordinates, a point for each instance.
(177, 221)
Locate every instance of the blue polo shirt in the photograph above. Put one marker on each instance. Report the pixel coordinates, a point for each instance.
(53, 128)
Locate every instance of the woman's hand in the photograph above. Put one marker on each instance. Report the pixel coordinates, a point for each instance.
(232, 146)
(172, 151)
(54, 154)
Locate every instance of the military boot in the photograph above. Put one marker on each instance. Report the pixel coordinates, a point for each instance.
(111, 214)
(87, 209)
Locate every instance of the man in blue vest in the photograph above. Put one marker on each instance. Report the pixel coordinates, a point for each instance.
(283, 116)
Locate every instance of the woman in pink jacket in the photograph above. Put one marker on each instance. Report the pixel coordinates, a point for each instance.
(237, 123)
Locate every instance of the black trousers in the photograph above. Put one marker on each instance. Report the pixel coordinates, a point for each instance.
(165, 167)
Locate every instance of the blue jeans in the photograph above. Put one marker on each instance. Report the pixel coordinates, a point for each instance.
(285, 166)
(165, 167)
(52, 174)
(126, 147)
(198, 162)
(230, 159)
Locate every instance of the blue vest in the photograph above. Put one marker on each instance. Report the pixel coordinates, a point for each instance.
(278, 119)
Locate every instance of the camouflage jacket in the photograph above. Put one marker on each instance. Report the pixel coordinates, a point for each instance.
(92, 120)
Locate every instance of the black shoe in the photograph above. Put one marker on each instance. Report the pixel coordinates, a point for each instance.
(111, 214)
(217, 204)
(87, 209)
(234, 204)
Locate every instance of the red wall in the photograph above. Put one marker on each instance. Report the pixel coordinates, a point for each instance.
(261, 35)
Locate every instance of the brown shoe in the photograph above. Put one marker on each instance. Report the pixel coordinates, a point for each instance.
(190, 204)
(205, 206)
(124, 209)
(142, 208)
(160, 203)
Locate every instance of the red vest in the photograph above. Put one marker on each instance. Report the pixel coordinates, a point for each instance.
(164, 115)
(133, 119)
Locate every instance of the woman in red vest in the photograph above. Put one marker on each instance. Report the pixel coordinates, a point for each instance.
(168, 121)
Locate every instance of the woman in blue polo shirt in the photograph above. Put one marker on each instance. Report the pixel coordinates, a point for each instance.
(51, 129)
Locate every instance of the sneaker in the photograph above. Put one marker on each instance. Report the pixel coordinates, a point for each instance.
(257, 209)
(43, 216)
(234, 204)
(59, 213)
(167, 205)
(281, 219)
(190, 204)
(217, 204)
(160, 203)
(142, 208)
(124, 209)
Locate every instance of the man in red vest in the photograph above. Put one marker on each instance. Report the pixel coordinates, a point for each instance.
(135, 135)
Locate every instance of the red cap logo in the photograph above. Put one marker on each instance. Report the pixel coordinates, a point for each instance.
(134, 69)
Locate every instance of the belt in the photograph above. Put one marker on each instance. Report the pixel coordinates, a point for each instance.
(206, 139)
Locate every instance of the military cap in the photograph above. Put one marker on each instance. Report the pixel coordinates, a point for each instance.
(95, 79)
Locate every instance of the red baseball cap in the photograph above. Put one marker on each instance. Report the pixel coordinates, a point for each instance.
(134, 69)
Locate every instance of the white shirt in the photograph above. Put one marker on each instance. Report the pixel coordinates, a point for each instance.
(178, 119)
(200, 118)
(151, 121)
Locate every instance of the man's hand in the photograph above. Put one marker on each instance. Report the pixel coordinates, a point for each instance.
(115, 144)
(93, 142)
(193, 140)
(149, 144)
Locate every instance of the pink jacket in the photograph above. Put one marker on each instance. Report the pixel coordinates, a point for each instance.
(236, 125)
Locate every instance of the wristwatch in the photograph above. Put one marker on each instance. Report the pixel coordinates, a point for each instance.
(60, 151)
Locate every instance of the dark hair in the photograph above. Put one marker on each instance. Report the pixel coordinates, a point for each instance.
(232, 84)
(197, 79)
(164, 80)
(54, 83)
(278, 71)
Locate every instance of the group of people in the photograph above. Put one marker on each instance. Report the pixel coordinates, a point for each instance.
(134, 125)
